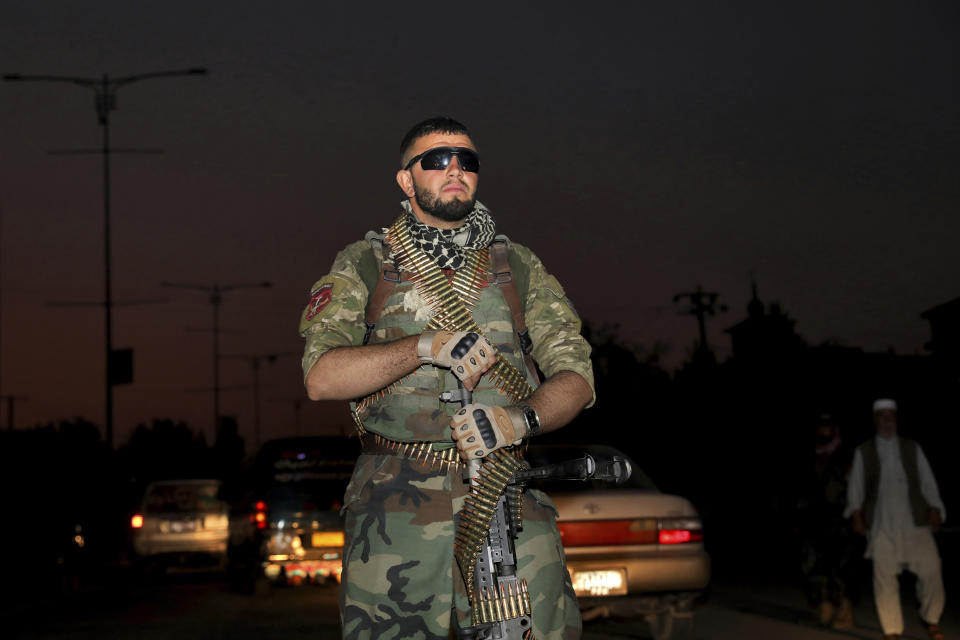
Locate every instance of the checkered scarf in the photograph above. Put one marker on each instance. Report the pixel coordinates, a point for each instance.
(448, 246)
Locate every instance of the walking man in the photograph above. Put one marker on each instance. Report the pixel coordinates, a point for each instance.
(893, 500)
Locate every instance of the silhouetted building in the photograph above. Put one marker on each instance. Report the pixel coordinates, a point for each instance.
(765, 336)
(944, 322)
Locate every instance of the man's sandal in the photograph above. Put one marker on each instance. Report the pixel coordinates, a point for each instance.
(935, 632)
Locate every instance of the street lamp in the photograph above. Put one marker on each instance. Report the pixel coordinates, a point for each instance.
(105, 92)
(216, 292)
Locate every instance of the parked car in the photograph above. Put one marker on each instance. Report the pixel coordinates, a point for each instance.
(631, 550)
(285, 523)
(181, 523)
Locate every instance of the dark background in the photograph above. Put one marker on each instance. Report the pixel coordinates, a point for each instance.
(642, 149)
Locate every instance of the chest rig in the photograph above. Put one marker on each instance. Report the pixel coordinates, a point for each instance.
(489, 267)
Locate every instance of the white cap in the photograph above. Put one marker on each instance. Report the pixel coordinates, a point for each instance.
(884, 403)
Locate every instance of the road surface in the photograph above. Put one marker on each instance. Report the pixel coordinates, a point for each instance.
(197, 605)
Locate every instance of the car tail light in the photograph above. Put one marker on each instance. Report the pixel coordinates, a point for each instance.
(259, 515)
(136, 521)
(588, 533)
(679, 531)
(592, 533)
(327, 539)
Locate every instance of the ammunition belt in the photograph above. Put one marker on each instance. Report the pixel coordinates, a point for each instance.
(422, 452)
(476, 515)
(448, 301)
(505, 604)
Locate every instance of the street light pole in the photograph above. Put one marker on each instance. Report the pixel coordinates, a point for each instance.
(297, 403)
(255, 361)
(216, 292)
(701, 304)
(105, 91)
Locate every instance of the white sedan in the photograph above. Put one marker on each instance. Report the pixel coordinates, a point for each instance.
(631, 550)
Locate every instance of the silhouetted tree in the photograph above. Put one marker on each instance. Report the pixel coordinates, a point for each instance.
(166, 449)
(228, 450)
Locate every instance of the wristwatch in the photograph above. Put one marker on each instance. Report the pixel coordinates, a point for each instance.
(532, 419)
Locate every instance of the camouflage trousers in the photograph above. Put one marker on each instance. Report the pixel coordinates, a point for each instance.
(400, 579)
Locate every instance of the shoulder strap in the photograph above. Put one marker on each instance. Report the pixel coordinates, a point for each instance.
(503, 278)
(381, 280)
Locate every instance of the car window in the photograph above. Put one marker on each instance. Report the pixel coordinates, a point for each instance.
(164, 498)
(313, 471)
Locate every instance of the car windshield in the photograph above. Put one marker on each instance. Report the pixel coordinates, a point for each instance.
(194, 498)
(540, 455)
(310, 472)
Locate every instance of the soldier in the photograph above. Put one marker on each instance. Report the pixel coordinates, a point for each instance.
(436, 301)
(827, 546)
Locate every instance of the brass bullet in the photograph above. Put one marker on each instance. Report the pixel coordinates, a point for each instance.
(486, 608)
(498, 607)
(486, 500)
(495, 605)
(499, 474)
(505, 601)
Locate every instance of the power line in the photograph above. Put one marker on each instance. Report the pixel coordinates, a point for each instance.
(216, 292)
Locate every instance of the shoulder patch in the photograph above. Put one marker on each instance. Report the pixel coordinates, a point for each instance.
(319, 298)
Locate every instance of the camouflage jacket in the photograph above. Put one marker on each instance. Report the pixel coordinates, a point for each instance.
(412, 411)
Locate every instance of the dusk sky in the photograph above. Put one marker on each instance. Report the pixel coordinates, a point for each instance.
(640, 148)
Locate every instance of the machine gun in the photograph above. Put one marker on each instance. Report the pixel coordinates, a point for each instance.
(499, 599)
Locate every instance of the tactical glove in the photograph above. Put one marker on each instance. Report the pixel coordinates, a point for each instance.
(466, 354)
(478, 429)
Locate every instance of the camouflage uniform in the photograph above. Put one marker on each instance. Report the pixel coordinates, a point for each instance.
(828, 549)
(400, 579)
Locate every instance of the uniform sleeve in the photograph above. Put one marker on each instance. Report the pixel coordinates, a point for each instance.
(855, 485)
(335, 312)
(554, 324)
(928, 484)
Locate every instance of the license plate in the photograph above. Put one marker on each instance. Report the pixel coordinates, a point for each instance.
(326, 539)
(183, 526)
(607, 582)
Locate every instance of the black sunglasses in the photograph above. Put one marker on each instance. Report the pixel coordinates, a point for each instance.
(438, 159)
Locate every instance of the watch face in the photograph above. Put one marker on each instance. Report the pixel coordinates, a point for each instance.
(533, 421)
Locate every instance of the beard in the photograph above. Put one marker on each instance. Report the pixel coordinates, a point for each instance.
(450, 211)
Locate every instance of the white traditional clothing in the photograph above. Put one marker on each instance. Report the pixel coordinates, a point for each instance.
(894, 541)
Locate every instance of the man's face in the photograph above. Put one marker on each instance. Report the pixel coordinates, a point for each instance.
(886, 422)
(824, 434)
(445, 196)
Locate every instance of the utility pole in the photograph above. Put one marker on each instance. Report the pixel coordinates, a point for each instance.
(216, 292)
(255, 362)
(105, 101)
(297, 403)
(1, 301)
(11, 401)
(701, 304)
